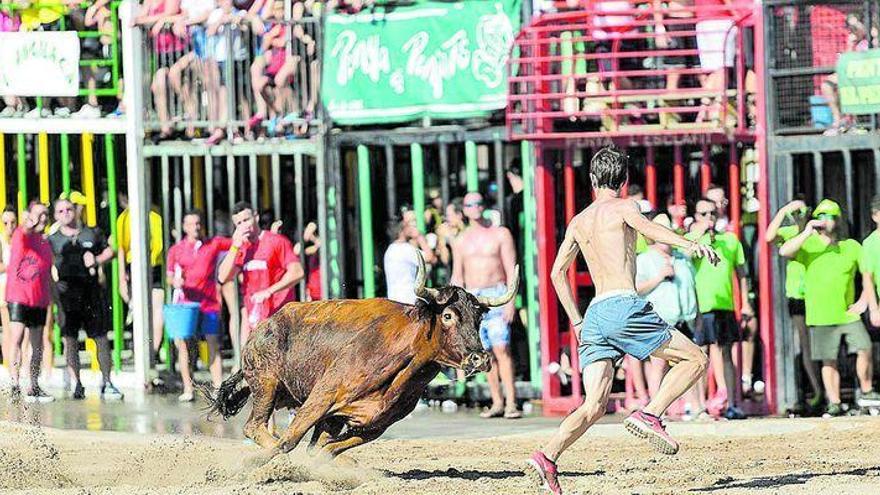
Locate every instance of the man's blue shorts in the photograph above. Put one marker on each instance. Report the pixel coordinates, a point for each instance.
(209, 323)
(494, 331)
(620, 323)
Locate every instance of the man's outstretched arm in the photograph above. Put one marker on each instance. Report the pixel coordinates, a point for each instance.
(568, 251)
(658, 233)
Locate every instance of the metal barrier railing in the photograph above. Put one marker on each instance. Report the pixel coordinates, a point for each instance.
(632, 70)
(235, 79)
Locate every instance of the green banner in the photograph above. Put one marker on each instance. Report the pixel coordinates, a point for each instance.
(436, 59)
(858, 78)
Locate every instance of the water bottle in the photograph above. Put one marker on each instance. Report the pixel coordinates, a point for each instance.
(528, 408)
(254, 315)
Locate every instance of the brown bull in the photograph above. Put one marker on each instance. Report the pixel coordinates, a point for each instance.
(352, 368)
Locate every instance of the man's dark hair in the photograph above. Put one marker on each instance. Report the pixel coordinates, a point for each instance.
(875, 204)
(634, 189)
(457, 205)
(608, 169)
(241, 206)
(394, 227)
(194, 211)
(10, 209)
(713, 185)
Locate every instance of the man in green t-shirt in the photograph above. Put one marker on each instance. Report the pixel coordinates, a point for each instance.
(870, 261)
(831, 264)
(720, 330)
(797, 213)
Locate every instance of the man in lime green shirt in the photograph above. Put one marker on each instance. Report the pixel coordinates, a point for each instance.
(831, 264)
(719, 329)
(797, 213)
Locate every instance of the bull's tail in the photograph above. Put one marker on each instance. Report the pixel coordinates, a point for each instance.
(227, 400)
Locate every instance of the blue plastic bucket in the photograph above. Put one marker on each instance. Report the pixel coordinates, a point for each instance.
(181, 320)
(820, 112)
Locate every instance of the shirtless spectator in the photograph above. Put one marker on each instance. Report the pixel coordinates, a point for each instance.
(483, 261)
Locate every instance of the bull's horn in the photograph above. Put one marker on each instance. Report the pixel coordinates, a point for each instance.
(422, 291)
(512, 287)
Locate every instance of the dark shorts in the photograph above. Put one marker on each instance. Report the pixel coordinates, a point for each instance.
(719, 327)
(156, 275)
(620, 324)
(30, 316)
(80, 306)
(796, 307)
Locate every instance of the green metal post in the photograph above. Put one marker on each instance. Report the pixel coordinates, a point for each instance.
(114, 265)
(533, 331)
(65, 163)
(22, 174)
(418, 185)
(366, 218)
(470, 164)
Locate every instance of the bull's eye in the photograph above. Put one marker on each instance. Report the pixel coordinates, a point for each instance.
(447, 317)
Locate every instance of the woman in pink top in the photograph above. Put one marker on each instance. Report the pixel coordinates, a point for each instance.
(28, 276)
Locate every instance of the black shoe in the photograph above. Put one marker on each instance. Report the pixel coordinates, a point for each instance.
(734, 412)
(36, 394)
(79, 393)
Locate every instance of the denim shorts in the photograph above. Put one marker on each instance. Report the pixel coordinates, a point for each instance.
(494, 331)
(621, 324)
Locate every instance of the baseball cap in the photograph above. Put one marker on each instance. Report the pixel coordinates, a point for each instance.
(827, 207)
(74, 197)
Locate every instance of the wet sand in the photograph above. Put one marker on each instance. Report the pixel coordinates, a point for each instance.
(766, 456)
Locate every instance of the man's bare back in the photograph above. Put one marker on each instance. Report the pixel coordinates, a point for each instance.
(482, 252)
(607, 243)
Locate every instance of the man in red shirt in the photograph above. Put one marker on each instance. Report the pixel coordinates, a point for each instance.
(191, 267)
(29, 273)
(268, 266)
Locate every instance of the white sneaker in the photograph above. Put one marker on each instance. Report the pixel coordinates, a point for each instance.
(7, 113)
(62, 112)
(88, 112)
(38, 113)
(186, 397)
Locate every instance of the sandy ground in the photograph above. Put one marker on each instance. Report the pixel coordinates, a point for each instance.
(768, 456)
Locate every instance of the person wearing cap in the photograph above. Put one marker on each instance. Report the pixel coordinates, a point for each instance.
(665, 277)
(797, 213)
(719, 329)
(832, 262)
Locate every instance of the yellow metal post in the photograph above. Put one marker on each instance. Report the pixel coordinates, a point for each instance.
(88, 179)
(198, 172)
(43, 161)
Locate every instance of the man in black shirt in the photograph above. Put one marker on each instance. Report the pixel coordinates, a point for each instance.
(78, 251)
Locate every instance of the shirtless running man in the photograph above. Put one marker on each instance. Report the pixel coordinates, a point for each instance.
(618, 321)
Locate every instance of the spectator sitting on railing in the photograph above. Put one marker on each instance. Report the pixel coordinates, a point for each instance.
(716, 44)
(305, 47)
(227, 17)
(857, 41)
(158, 16)
(189, 26)
(272, 73)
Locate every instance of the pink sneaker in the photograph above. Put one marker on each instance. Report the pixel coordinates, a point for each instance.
(718, 403)
(651, 428)
(544, 473)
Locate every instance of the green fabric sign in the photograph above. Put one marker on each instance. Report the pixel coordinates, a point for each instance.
(858, 78)
(435, 59)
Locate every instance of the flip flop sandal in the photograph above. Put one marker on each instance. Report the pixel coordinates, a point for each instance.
(512, 414)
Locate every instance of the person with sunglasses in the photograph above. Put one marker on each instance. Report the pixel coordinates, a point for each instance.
(483, 262)
(719, 329)
(78, 252)
(832, 262)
